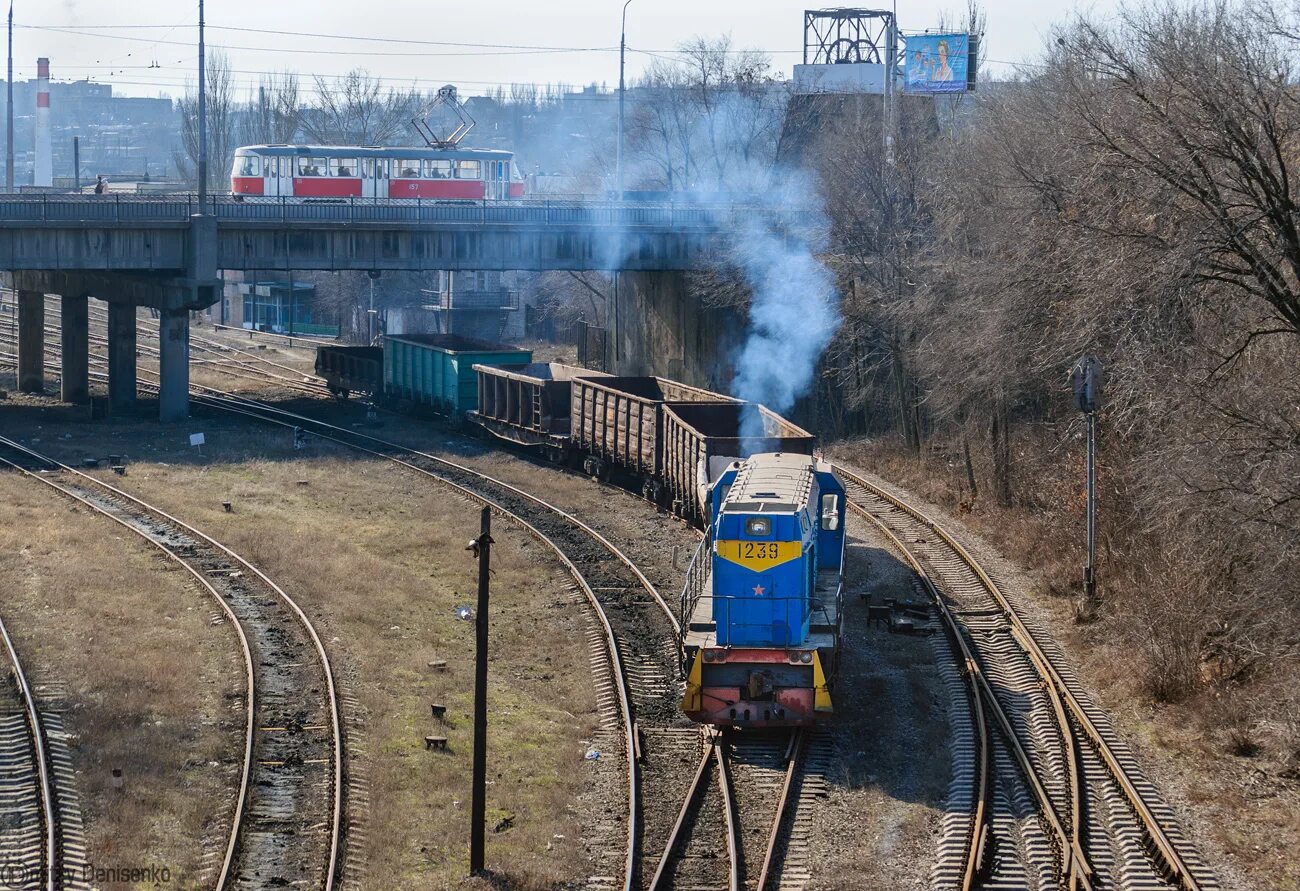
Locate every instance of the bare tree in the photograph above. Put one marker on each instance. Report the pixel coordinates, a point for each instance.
(221, 114)
(710, 118)
(357, 109)
(274, 111)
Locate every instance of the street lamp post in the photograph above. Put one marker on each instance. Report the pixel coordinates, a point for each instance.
(9, 109)
(622, 90)
(203, 120)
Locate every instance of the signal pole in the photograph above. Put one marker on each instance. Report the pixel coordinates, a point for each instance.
(482, 548)
(1086, 379)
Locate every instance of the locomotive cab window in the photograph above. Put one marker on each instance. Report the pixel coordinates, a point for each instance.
(343, 167)
(249, 165)
(469, 170)
(406, 169)
(830, 512)
(437, 169)
(758, 526)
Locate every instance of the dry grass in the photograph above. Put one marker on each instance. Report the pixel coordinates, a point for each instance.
(147, 678)
(376, 556)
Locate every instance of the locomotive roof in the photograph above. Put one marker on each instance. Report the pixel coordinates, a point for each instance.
(378, 151)
(777, 483)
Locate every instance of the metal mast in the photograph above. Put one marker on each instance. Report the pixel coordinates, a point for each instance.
(203, 120)
(9, 109)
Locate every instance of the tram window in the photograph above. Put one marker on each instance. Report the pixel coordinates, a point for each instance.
(343, 166)
(367, 168)
(437, 169)
(312, 166)
(469, 170)
(381, 168)
(406, 169)
(249, 165)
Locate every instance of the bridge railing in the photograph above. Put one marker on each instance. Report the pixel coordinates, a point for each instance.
(178, 208)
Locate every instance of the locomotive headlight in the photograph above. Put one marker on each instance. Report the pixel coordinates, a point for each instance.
(805, 657)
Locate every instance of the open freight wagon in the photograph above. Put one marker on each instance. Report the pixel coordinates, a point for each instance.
(351, 369)
(529, 405)
(700, 438)
(617, 425)
(436, 371)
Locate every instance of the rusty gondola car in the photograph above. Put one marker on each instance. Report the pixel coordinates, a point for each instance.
(700, 439)
(529, 405)
(351, 369)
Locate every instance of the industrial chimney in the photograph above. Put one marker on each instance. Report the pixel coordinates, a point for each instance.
(44, 175)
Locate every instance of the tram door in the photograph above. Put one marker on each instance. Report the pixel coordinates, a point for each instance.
(497, 180)
(374, 177)
(277, 181)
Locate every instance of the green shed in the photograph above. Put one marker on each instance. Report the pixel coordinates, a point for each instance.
(437, 370)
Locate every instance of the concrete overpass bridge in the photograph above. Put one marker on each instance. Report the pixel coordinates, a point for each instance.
(167, 252)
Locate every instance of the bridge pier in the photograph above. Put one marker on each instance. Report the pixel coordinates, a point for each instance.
(174, 365)
(31, 341)
(121, 356)
(74, 327)
(658, 328)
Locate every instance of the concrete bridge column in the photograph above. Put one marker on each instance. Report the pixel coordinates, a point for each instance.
(121, 355)
(174, 366)
(75, 329)
(31, 342)
(658, 327)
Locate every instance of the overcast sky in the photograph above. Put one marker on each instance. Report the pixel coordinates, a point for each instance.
(146, 47)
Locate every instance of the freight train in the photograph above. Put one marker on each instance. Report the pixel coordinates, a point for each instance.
(761, 610)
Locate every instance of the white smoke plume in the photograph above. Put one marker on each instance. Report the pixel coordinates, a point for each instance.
(793, 314)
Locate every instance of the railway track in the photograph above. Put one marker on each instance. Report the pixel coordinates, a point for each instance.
(1050, 796)
(635, 628)
(288, 813)
(29, 803)
(738, 823)
(763, 812)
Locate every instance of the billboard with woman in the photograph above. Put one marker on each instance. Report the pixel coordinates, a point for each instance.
(936, 63)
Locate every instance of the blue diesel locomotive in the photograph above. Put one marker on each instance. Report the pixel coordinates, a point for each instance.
(761, 612)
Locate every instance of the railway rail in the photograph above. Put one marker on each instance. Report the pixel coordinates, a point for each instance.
(645, 627)
(288, 815)
(1054, 749)
(637, 626)
(29, 803)
(734, 829)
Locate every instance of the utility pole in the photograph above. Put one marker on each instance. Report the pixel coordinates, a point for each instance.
(482, 548)
(203, 120)
(9, 109)
(1086, 378)
(76, 164)
(622, 91)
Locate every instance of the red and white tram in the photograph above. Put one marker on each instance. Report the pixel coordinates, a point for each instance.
(318, 172)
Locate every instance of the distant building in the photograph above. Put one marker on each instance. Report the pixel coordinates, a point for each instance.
(121, 136)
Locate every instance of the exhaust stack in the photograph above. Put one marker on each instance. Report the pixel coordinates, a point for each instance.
(44, 170)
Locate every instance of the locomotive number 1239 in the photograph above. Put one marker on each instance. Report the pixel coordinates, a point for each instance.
(758, 555)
